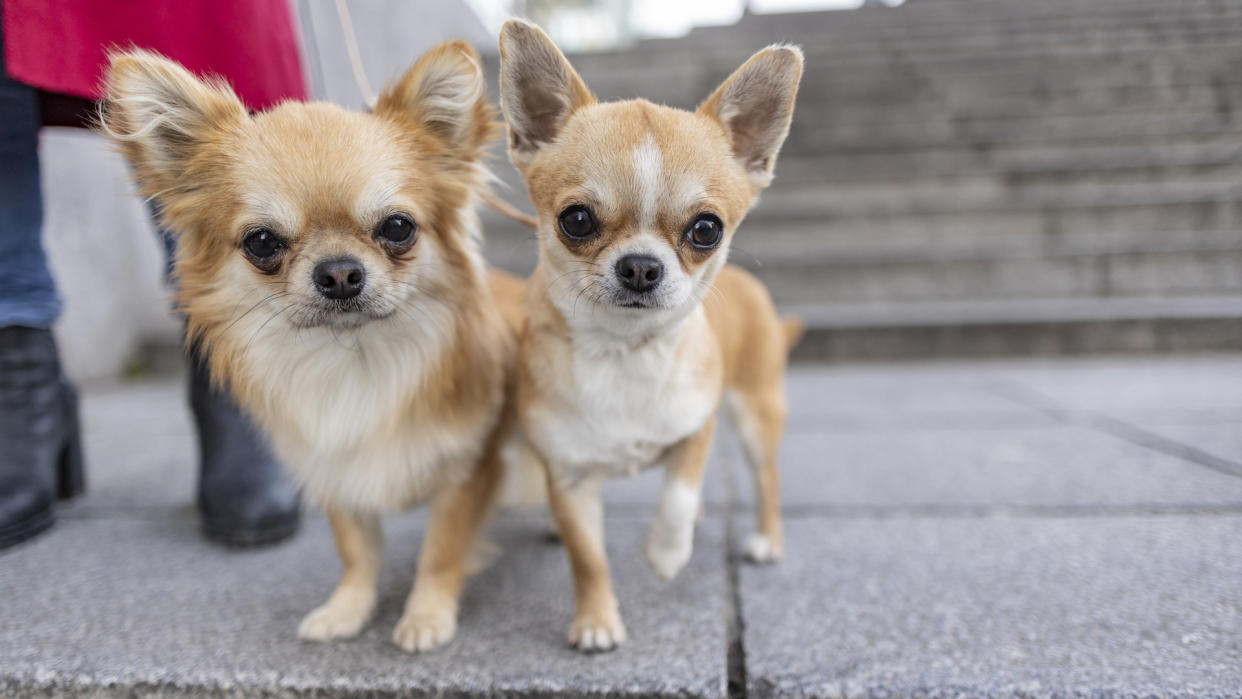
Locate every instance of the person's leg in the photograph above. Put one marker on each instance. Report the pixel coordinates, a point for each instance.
(244, 496)
(38, 410)
(28, 295)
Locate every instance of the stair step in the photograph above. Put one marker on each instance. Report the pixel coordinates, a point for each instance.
(1020, 327)
(981, 276)
(869, 200)
(1148, 161)
(808, 137)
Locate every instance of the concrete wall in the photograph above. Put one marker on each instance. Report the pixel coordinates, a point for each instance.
(104, 254)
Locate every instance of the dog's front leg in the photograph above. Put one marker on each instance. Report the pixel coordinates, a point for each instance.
(430, 618)
(360, 543)
(671, 538)
(579, 514)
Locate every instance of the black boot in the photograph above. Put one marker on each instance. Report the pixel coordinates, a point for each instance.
(244, 496)
(41, 454)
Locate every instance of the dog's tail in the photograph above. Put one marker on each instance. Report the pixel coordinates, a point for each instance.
(504, 208)
(794, 328)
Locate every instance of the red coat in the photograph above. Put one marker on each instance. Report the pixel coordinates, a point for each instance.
(60, 45)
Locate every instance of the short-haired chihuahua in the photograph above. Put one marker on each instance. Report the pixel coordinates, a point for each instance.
(638, 330)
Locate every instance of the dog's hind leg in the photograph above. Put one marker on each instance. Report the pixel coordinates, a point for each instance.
(759, 416)
(360, 542)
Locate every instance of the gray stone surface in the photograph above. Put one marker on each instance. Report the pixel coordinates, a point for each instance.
(999, 607)
(982, 435)
(104, 254)
(1133, 388)
(959, 528)
(119, 602)
(999, 467)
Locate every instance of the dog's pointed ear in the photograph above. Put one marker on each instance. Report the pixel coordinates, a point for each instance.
(445, 93)
(755, 106)
(539, 90)
(159, 114)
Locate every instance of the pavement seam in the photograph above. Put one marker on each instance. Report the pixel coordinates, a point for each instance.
(1024, 395)
(736, 678)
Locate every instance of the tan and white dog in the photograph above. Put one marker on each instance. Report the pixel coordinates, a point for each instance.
(637, 327)
(329, 263)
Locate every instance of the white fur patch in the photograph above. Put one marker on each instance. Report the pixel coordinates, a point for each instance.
(617, 409)
(649, 175)
(759, 549)
(671, 539)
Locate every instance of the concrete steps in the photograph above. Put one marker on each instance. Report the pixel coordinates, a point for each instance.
(1083, 159)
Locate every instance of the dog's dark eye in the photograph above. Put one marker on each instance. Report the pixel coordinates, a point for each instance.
(706, 231)
(262, 246)
(397, 230)
(577, 223)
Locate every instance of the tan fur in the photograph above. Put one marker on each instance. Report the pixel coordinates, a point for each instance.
(400, 399)
(607, 385)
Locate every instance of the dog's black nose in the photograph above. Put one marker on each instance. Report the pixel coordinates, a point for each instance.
(640, 272)
(339, 279)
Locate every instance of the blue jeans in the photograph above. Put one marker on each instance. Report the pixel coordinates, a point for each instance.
(27, 294)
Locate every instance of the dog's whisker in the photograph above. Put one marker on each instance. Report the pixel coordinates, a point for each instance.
(278, 294)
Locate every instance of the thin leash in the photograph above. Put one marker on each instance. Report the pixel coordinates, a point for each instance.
(499, 205)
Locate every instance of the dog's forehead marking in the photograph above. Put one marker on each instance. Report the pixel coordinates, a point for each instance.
(648, 176)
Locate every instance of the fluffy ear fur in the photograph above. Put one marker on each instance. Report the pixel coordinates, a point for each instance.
(539, 90)
(160, 114)
(446, 94)
(755, 105)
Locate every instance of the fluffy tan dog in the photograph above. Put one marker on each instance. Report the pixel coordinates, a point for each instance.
(638, 329)
(329, 263)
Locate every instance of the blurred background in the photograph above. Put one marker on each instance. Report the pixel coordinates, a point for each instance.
(963, 177)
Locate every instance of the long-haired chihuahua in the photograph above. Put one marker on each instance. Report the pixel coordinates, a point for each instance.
(329, 266)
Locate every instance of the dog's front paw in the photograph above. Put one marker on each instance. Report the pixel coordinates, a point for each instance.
(762, 550)
(596, 632)
(668, 548)
(422, 631)
(343, 616)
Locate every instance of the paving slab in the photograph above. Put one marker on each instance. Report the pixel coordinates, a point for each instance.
(948, 534)
(1037, 466)
(855, 397)
(1222, 440)
(998, 606)
(145, 605)
(139, 444)
(1130, 388)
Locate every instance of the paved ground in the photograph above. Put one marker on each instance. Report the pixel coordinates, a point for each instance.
(1044, 528)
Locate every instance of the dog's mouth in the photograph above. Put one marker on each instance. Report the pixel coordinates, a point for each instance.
(339, 315)
(634, 301)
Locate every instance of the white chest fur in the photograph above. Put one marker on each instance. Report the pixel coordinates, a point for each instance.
(343, 415)
(613, 413)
